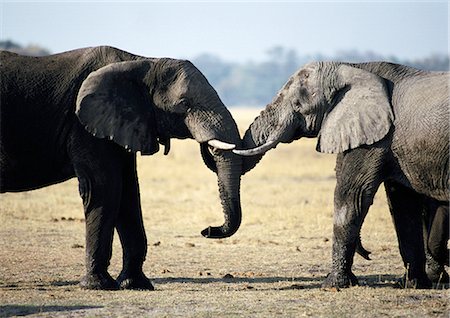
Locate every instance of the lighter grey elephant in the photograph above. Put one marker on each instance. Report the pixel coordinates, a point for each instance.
(387, 123)
(85, 114)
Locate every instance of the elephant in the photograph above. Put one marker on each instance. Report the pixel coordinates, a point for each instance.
(86, 113)
(387, 123)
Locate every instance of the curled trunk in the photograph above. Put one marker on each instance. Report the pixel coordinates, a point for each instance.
(267, 130)
(217, 134)
(228, 167)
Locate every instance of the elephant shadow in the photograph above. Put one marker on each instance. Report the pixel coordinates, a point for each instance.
(296, 281)
(380, 281)
(373, 281)
(25, 310)
(392, 281)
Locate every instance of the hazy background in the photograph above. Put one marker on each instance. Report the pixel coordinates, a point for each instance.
(247, 50)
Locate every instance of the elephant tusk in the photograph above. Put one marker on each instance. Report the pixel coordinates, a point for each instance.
(166, 147)
(217, 144)
(166, 143)
(257, 150)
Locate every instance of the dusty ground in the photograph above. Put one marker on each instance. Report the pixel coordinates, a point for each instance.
(273, 266)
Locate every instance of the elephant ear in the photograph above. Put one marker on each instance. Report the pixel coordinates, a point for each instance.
(361, 115)
(114, 103)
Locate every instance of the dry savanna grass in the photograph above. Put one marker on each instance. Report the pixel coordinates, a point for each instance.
(273, 266)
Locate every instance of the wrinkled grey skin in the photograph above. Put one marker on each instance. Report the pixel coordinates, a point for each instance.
(387, 123)
(85, 113)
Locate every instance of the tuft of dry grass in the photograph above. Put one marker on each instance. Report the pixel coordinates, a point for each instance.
(273, 266)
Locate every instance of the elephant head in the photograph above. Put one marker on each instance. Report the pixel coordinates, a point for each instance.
(343, 105)
(142, 103)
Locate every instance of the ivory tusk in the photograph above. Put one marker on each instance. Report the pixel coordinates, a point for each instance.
(221, 145)
(166, 143)
(166, 147)
(257, 150)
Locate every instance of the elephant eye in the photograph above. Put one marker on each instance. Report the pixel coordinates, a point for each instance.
(304, 95)
(183, 102)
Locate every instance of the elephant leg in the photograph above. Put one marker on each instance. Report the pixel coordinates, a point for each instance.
(358, 175)
(436, 238)
(406, 208)
(435, 243)
(98, 167)
(101, 201)
(432, 267)
(130, 228)
(439, 234)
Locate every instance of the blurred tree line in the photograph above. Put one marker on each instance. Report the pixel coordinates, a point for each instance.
(255, 83)
(32, 50)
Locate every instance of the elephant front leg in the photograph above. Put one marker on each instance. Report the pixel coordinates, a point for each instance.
(358, 174)
(346, 229)
(131, 232)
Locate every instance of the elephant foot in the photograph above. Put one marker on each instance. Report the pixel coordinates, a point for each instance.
(436, 273)
(102, 281)
(415, 283)
(443, 282)
(438, 276)
(137, 281)
(339, 280)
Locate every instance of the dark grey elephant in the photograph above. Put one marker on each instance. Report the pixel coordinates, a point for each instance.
(387, 123)
(85, 113)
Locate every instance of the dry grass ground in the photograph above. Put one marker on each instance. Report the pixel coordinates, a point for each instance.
(277, 260)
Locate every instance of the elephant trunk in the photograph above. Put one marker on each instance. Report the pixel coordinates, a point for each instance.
(267, 130)
(217, 133)
(229, 168)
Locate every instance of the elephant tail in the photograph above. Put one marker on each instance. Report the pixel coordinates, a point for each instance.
(361, 250)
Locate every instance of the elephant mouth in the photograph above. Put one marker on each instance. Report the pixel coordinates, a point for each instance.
(287, 130)
(272, 142)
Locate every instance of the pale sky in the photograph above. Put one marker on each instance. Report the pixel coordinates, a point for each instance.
(235, 31)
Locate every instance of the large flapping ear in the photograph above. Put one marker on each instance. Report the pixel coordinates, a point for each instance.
(114, 103)
(361, 116)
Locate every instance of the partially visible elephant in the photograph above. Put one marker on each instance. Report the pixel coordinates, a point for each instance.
(86, 113)
(387, 123)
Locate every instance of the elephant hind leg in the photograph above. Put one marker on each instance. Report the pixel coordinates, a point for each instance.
(130, 228)
(406, 208)
(438, 236)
